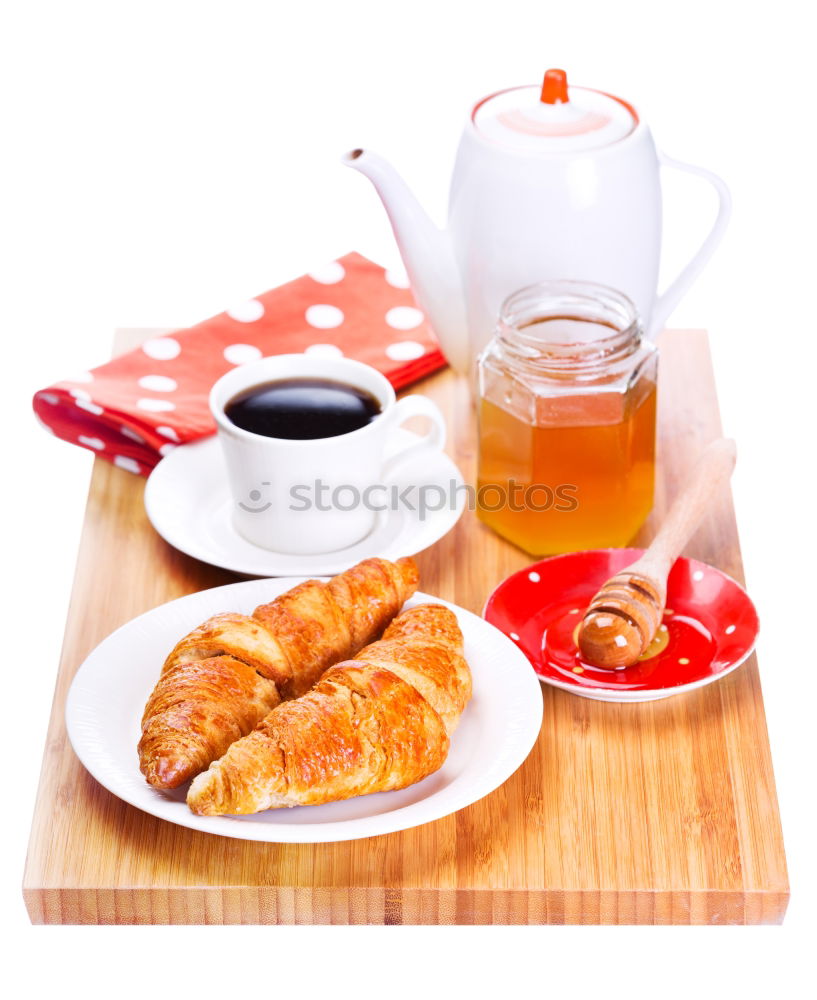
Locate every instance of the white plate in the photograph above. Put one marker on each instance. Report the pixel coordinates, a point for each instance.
(108, 694)
(188, 502)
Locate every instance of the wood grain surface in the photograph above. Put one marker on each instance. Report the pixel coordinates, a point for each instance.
(656, 813)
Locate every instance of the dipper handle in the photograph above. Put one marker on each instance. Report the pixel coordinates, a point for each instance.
(710, 473)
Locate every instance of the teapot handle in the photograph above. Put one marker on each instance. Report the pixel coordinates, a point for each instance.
(669, 299)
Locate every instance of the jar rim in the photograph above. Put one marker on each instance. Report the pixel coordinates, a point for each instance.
(589, 303)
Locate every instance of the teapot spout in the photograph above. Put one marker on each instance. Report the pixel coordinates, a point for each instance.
(427, 254)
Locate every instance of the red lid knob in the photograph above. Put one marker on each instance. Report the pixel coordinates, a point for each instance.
(554, 87)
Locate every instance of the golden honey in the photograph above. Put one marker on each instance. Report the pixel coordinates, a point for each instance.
(567, 417)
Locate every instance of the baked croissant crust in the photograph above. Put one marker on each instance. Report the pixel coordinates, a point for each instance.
(222, 678)
(378, 722)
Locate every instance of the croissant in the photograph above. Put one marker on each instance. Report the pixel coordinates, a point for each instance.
(226, 675)
(378, 722)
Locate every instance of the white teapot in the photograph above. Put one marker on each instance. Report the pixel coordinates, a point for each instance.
(549, 182)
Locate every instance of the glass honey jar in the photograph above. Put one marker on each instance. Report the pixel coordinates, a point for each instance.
(567, 413)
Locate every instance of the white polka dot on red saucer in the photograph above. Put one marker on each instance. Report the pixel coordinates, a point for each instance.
(49, 397)
(240, 354)
(324, 351)
(156, 405)
(129, 464)
(162, 348)
(79, 394)
(329, 274)
(158, 383)
(132, 435)
(168, 432)
(247, 312)
(96, 443)
(166, 449)
(397, 278)
(404, 317)
(405, 350)
(324, 317)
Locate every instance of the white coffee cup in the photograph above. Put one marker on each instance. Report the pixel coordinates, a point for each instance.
(273, 480)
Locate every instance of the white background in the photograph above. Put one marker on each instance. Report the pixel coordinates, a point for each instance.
(164, 160)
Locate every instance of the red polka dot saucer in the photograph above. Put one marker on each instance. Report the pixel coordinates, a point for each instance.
(710, 626)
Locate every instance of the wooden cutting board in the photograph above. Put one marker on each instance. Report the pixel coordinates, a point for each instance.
(657, 813)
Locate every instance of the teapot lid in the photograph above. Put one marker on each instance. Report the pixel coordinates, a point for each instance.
(553, 118)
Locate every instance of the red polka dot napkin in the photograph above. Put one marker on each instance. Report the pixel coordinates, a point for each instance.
(136, 408)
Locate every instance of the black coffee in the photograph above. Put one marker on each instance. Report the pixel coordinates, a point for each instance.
(302, 408)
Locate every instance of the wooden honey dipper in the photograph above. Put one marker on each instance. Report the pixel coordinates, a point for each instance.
(623, 618)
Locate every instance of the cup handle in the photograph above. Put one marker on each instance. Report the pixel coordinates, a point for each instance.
(434, 441)
(671, 296)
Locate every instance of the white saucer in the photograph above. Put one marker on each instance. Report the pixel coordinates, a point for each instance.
(188, 502)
